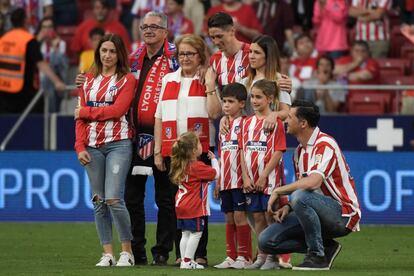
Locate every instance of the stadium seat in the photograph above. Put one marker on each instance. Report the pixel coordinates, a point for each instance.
(396, 94)
(67, 33)
(369, 103)
(393, 66)
(397, 40)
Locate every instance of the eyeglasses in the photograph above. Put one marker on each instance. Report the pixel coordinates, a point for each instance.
(187, 54)
(151, 27)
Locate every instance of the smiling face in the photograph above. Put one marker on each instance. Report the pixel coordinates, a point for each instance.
(155, 36)
(188, 58)
(257, 57)
(260, 102)
(108, 55)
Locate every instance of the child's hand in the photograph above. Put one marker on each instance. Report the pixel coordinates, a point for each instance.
(248, 185)
(260, 184)
(217, 191)
(211, 155)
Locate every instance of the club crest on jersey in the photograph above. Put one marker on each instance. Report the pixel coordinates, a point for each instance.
(241, 70)
(145, 145)
(237, 129)
(113, 90)
(198, 128)
(134, 67)
(168, 132)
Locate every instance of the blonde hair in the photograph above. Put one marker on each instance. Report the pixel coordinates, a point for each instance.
(197, 43)
(182, 155)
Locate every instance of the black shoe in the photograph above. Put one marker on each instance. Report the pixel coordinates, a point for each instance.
(159, 260)
(313, 262)
(332, 249)
(141, 260)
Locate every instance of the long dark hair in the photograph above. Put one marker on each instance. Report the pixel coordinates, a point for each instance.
(122, 66)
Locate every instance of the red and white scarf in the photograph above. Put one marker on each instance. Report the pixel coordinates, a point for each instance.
(197, 115)
(166, 63)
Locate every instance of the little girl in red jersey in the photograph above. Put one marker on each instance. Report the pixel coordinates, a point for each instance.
(191, 205)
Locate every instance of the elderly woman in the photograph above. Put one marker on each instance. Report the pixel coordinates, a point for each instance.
(185, 105)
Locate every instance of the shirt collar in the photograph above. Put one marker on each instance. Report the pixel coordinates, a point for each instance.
(313, 137)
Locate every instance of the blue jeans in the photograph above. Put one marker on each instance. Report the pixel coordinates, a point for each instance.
(315, 219)
(107, 174)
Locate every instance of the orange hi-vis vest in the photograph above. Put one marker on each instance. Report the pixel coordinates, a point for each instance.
(13, 45)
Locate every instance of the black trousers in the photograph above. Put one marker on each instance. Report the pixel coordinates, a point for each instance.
(166, 222)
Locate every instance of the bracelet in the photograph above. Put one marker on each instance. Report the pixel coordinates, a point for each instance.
(290, 206)
(212, 92)
(157, 152)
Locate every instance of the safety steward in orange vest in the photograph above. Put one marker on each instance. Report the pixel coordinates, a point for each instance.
(13, 47)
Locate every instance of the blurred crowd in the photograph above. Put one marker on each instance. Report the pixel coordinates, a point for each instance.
(321, 41)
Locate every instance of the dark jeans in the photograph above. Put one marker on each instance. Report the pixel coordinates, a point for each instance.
(166, 222)
(314, 221)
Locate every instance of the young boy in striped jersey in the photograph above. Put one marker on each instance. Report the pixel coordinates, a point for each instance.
(229, 187)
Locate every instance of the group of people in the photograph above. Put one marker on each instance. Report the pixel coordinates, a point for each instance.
(153, 114)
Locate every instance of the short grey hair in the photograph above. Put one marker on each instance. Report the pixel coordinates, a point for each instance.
(163, 17)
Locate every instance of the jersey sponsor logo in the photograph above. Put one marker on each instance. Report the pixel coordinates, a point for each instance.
(98, 104)
(145, 145)
(256, 146)
(229, 145)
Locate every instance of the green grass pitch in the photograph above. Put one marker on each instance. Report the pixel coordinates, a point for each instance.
(73, 249)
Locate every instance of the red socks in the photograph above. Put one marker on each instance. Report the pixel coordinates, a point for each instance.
(244, 241)
(231, 241)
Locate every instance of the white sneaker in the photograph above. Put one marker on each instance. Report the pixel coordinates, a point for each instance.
(226, 263)
(106, 260)
(257, 264)
(240, 263)
(269, 263)
(190, 265)
(125, 259)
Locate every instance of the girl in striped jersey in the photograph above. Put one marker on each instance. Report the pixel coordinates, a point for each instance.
(191, 204)
(262, 162)
(103, 143)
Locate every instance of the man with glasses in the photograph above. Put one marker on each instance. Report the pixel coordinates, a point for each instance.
(149, 63)
(323, 203)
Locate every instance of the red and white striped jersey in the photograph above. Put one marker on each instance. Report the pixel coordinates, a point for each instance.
(229, 151)
(191, 198)
(141, 7)
(302, 69)
(231, 69)
(105, 103)
(258, 148)
(373, 30)
(323, 156)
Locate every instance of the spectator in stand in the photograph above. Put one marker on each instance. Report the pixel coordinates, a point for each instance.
(372, 24)
(245, 22)
(359, 67)
(80, 41)
(303, 62)
(178, 24)
(407, 14)
(87, 56)
(326, 100)
(276, 17)
(35, 11)
(138, 11)
(53, 49)
(65, 12)
(194, 10)
(303, 11)
(329, 18)
(6, 8)
(20, 60)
